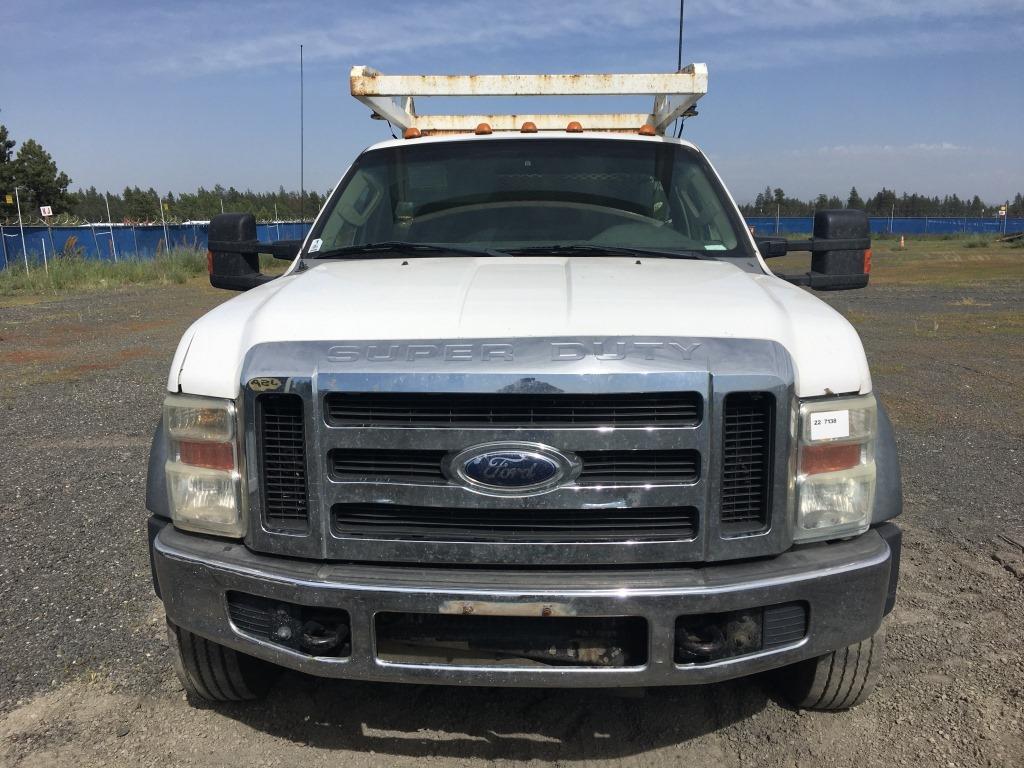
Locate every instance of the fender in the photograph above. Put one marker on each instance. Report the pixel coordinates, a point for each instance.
(156, 479)
(888, 480)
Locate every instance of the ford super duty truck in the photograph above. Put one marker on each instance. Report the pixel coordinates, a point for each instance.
(527, 408)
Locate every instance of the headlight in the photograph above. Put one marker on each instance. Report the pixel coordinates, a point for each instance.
(836, 467)
(204, 482)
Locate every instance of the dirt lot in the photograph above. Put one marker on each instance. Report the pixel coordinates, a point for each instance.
(85, 679)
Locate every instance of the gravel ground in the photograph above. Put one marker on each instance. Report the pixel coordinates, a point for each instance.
(85, 678)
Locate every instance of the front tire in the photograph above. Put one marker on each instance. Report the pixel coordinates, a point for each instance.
(212, 672)
(837, 680)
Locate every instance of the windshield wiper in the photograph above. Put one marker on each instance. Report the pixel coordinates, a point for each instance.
(400, 247)
(604, 250)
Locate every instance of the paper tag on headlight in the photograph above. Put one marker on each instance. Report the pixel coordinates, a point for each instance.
(829, 425)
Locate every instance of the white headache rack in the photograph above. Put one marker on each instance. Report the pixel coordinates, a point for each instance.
(392, 98)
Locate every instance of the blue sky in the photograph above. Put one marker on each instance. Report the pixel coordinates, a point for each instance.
(810, 95)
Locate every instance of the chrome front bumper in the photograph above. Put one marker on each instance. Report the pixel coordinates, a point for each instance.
(844, 584)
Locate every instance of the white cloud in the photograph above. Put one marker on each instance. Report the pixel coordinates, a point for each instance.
(943, 147)
(196, 38)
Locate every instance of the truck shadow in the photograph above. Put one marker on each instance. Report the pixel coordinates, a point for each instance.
(495, 723)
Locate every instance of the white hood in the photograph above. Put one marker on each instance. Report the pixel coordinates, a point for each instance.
(522, 297)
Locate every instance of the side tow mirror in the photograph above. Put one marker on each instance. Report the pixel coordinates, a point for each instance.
(233, 260)
(840, 251)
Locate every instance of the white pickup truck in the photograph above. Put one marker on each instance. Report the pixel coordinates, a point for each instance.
(527, 408)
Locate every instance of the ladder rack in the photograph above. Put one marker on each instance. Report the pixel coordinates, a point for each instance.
(392, 98)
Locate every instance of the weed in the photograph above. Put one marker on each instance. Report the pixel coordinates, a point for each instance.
(75, 274)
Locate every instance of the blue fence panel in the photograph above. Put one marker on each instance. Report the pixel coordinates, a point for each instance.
(899, 225)
(144, 242)
(129, 242)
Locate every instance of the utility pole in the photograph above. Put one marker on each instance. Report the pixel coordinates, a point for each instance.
(110, 226)
(21, 228)
(892, 214)
(302, 142)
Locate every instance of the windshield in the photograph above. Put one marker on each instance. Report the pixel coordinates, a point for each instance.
(509, 193)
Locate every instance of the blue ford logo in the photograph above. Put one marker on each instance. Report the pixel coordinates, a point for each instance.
(512, 468)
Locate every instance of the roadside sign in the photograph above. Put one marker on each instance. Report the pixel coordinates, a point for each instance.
(1002, 211)
(45, 211)
(9, 199)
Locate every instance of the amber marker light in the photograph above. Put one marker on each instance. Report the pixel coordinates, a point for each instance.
(483, 129)
(412, 132)
(528, 127)
(574, 127)
(646, 130)
(815, 459)
(867, 262)
(209, 455)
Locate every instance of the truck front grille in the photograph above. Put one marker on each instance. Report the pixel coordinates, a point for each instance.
(377, 409)
(664, 477)
(746, 461)
(456, 523)
(281, 435)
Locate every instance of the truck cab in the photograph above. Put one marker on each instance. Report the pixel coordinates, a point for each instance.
(527, 408)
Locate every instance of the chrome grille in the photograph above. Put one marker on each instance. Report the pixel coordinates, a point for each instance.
(441, 409)
(384, 465)
(661, 427)
(637, 467)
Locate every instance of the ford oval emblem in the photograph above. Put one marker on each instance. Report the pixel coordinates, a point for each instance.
(512, 468)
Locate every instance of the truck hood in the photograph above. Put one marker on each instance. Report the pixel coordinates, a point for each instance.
(522, 297)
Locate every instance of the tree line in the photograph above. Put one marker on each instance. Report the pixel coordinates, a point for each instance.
(40, 182)
(33, 171)
(137, 206)
(883, 203)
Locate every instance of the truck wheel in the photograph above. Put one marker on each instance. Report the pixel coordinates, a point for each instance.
(837, 680)
(213, 672)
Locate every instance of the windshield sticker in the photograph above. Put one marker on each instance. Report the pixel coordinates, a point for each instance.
(828, 425)
(715, 247)
(315, 245)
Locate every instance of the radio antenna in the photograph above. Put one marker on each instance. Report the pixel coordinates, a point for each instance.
(302, 144)
(679, 56)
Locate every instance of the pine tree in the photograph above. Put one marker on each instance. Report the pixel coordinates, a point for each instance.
(6, 169)
(36, 171)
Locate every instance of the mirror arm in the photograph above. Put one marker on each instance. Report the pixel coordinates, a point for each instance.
(771, 247)
(239, 282)
(282, 249)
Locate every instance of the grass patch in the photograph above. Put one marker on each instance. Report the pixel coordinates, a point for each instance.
(945, 261)
(964, 325)
(64, 275)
